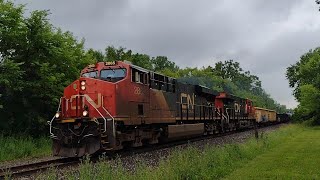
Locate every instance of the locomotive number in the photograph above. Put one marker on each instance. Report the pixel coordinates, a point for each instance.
(112, 63)
(137, 90)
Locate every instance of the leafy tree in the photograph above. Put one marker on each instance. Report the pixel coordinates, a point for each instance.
(232, 71)
(97, 55)
(116, 54)
(227, 69)
(37, 62)
(304, 78)
(161, 63)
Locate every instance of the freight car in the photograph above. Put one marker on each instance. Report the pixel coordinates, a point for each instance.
(265, 116)
(117, 104)
(283, 117)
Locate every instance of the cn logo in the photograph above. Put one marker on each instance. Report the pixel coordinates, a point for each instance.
(236, 107)
(84, 99)
(187, 100)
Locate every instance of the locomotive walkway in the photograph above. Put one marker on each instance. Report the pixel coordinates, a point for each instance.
(296, 158)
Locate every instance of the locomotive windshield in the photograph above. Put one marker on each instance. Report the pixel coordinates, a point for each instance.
(92, 74)
(113, 75)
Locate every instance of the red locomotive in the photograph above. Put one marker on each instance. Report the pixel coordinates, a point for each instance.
(117, 104)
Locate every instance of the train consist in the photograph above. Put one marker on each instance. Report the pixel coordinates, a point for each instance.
(117, 104)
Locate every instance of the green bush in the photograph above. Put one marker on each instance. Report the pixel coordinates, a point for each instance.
(22, 147)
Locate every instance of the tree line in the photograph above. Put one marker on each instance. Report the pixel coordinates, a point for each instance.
(37, 60)
(304, 78)
(225, 76)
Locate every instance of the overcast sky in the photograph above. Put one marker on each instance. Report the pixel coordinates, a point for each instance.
(264, 36)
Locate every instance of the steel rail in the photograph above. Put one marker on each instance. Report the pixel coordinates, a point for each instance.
(33, 168)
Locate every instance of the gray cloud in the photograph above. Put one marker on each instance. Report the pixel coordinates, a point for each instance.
(264, 36)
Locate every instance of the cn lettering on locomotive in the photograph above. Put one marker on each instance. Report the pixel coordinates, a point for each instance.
(91, 101)
(187, 101)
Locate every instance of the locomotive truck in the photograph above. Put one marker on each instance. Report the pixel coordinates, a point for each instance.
(117, 104)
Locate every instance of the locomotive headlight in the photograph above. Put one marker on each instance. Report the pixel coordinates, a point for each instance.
(57, 115)
(85, 113)
(83, 87)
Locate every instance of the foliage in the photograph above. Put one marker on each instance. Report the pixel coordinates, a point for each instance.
(37, 62)
(304, 78)
(159, 63)
(97, 55)
(18, 147)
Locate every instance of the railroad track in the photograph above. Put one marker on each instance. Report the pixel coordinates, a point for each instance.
(33, 168)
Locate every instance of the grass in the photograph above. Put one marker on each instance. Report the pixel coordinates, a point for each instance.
(12, 148)
(279, 154)
(296, 158)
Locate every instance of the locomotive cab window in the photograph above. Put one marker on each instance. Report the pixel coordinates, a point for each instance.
(139, 76)
(162, 82)
(113, 75)
(92, 74)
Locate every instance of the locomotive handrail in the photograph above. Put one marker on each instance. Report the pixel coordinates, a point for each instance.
(50, 124)
(228, 117)
(217, 110)
(194, 105)
(113, 127)
(105, 121)
(198, 105)
(223, 115)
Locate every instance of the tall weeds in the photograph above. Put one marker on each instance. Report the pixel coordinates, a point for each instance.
(22, 147)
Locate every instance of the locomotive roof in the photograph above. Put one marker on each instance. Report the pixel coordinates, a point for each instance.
(205, 90)
(224, 95)
(138, 67)
(144, 70)
(259, 108)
